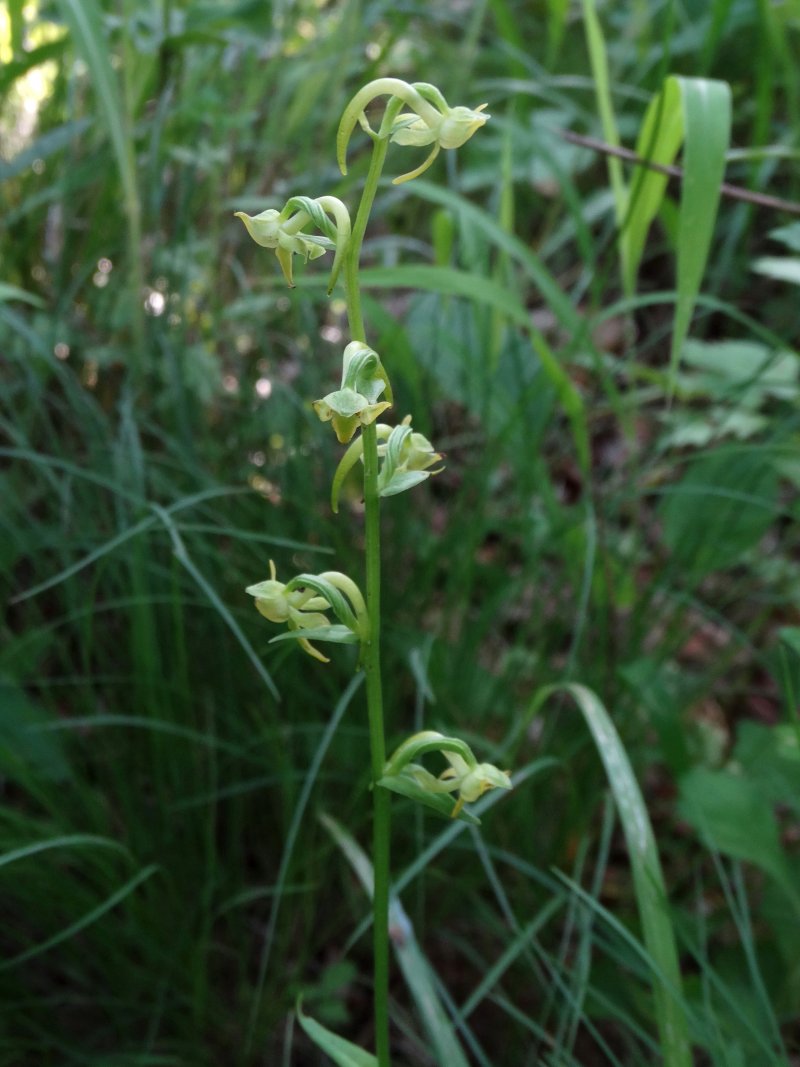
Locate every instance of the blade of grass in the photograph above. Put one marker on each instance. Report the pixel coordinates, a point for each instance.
(310, 779)
(85, 920)
(416, 969)
(648, 878)
(598, 59)
(84, 19)
(66, 841)
(450, 282)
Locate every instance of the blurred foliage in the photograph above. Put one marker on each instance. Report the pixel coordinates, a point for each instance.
(158, 448)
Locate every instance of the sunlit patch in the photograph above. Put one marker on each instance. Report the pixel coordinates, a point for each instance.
(90, 374)
(61, 350)
(154, 303)
(19, 111)
(332, 334)
(264, 487)
(264, 388)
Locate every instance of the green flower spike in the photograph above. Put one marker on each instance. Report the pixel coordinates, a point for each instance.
(465, 775)
(301, 603)
(281, 231)
(357, 402)
(406, 458)
(431, 120)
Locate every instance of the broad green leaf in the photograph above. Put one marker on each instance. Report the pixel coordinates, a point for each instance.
(343, 1053)
(743, 371)
(770, 757)
(707, 126)
(720, 509)
(732, 815)
(697, 113)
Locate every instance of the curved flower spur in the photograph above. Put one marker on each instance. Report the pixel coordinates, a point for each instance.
(465, 775)
(430, 120)
(283, 231)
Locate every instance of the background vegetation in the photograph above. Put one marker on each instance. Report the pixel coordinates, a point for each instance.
(167, 889)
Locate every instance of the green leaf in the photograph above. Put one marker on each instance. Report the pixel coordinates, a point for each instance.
(697, 112)
(732, 816)
(707, 125)
(659, 140)
(442, 803)
(770, 758)
(719, 510)
(343, 1053)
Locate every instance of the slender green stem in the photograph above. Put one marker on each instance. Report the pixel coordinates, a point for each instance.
(371, 651)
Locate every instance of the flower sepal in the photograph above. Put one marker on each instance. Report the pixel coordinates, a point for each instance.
(406, 458)
(357, 402)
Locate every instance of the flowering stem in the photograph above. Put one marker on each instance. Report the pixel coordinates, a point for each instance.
(371, 650)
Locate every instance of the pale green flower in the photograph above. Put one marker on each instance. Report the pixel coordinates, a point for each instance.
(282, 231)
(465, 775)
(430, 120)
(271, 231)
(357, 402)
(301, 609)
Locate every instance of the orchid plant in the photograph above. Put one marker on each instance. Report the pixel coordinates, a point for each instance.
(392, 459)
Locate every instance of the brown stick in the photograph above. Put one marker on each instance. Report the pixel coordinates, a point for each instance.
(734, 192)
